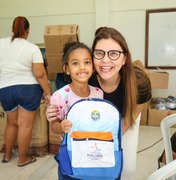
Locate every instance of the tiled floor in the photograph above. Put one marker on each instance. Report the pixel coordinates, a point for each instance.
(45, 168)
(148, 154)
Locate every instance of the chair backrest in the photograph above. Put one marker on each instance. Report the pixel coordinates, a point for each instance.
(165, 125)
(164, 172)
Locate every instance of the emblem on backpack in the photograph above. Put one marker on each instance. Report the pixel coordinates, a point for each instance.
(95, 115)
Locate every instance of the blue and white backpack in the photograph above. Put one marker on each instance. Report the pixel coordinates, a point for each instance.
(92, 149)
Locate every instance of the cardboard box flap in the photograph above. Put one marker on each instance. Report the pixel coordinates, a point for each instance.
(61, 29)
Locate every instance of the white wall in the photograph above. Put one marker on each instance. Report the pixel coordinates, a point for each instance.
(48, 12)
(125, 15)
(129, 17)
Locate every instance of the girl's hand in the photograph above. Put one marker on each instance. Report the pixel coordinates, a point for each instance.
(66, 125)
(51, 113)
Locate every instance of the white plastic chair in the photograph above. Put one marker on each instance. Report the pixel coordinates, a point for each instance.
(164, 172)
(169, 169)
(165, 125)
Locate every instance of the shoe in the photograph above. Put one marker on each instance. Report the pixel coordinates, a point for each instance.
(5, 161)
(32, 160)
(160, 162)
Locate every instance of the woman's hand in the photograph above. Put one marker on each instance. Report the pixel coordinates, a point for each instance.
(66, 125)
(47, 99)
(125, 125)
(51, 113)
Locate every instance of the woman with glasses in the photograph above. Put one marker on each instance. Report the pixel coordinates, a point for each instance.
(126, 85)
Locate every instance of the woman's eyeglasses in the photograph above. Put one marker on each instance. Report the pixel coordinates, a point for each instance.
(112, 54)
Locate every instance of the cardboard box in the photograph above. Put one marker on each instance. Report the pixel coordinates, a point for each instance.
(39, 140)
(55, 37)
(54, 63)
(51, 76)
(3, 121)
(54, 141)
(159, 79)
(155, 116)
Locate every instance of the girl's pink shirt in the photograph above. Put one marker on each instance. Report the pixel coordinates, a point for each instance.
(64, 98)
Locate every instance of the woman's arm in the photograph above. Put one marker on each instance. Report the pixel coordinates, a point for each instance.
(41, 76)
(139, 109)
(125, 125)
(51, 113)
(125, 122)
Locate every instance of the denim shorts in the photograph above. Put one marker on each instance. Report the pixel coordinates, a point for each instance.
(26, 96)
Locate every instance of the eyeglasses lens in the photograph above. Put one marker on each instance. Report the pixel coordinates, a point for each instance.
(112, 54)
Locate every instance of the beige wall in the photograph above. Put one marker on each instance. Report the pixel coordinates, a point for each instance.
(125, 15)
(45, 12)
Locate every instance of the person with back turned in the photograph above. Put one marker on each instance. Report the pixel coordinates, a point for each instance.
(23, 82)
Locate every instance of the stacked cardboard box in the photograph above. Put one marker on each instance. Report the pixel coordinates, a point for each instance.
(3, 121)
(155, 116)
(39, 140)
(54, 141)
(55, 37)
(159, 80)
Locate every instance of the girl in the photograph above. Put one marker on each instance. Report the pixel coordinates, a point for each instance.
(78, 68)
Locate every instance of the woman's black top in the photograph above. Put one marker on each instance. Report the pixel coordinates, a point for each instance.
(117, 96)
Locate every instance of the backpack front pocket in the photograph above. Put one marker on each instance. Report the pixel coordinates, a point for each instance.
(92, 149)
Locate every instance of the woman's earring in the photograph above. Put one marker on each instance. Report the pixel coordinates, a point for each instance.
(68, 73)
